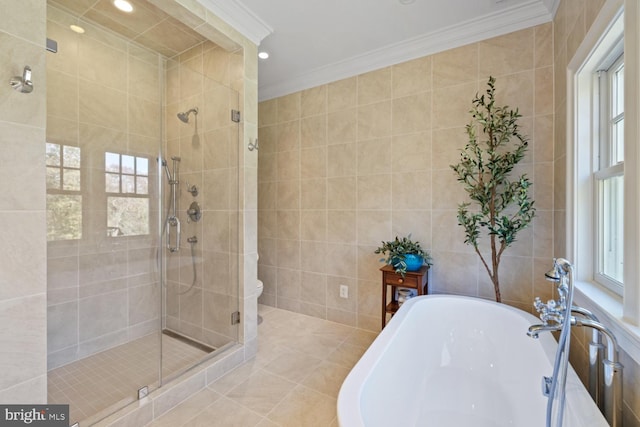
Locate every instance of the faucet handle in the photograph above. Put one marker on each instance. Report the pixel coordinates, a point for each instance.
(552, 310)
(539, 305)
(546, 385)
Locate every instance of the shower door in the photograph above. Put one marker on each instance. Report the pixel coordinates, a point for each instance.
(201, 177)
(142, 204)
(103, 139)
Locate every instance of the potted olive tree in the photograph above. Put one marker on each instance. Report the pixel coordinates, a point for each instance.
(404, 255)
(499, 205)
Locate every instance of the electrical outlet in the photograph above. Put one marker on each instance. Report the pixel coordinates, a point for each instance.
(344, 291)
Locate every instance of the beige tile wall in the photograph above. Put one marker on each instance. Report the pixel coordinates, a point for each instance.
(22, 207)
(22, 118)
(105, 289)
(104, 95)
(346, 165)
(572, 21)
(205, 77)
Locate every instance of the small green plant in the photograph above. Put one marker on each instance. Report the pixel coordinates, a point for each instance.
(396, 251)
(501, 206)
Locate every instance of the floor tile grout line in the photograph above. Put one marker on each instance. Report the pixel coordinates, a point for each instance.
(284, 325)
(187, 423)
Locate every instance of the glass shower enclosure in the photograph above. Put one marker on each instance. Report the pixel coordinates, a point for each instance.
(142, 203)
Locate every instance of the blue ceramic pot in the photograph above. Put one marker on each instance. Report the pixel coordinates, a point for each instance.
(414, 262)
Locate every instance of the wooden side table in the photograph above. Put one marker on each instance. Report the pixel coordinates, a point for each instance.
(418, 280)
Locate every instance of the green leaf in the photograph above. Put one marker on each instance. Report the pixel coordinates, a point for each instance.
(499, 206)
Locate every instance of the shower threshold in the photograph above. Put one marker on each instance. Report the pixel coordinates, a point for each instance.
(189, 341)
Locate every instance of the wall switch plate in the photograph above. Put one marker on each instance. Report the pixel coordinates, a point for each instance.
(344, 291)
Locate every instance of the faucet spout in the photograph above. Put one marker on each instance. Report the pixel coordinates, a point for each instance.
(534, 330)
(612, 342)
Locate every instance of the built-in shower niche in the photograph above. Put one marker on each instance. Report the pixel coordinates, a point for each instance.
(113, 286)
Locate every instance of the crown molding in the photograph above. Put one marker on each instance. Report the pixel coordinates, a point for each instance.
(239, 17)
(505, 21)
(552, 5)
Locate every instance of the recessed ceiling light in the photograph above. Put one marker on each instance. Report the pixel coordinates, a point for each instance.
(263, 55)
(406, 1)
(123, 5)
(76, 28)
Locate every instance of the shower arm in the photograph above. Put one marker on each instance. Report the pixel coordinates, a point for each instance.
(184, 117)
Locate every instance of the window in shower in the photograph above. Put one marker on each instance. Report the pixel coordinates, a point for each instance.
(64, 200)
(127, 189)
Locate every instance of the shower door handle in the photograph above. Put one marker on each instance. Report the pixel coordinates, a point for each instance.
(173, 222)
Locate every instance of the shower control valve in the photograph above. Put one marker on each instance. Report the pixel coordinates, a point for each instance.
(194, 212)
(193, 189)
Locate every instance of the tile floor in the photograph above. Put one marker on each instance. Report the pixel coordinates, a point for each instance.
(293, 381)
(112, 377)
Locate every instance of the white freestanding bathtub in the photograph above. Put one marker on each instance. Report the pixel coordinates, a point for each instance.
(450, 361)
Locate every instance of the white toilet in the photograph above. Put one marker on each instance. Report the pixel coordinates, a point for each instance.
(260, 288)
(259, 292)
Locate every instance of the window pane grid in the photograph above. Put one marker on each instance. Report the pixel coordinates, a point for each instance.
(616, 108)
(126, 185)
(125, 174)
(64, 202)
(609, 180)
(618, 90)
(610, 232)
(63, 171)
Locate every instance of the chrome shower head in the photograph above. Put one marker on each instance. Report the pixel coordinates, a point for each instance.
(552, 275)
(184, 117)
(23, 84)
(561, 267)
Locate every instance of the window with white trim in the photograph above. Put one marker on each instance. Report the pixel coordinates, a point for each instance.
(608, 175)
(596, 193)
(617, 20)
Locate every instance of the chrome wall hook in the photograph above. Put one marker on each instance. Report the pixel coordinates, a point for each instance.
(22, 84)
(253, 146)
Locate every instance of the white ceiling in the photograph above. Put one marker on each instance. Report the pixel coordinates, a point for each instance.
(312, 42)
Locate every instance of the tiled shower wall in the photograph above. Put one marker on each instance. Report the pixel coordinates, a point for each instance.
(346, 165)
(22, 208)
(23, 302)
(207, 77)
(103, 95)
(572, 21)
(104, 290)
